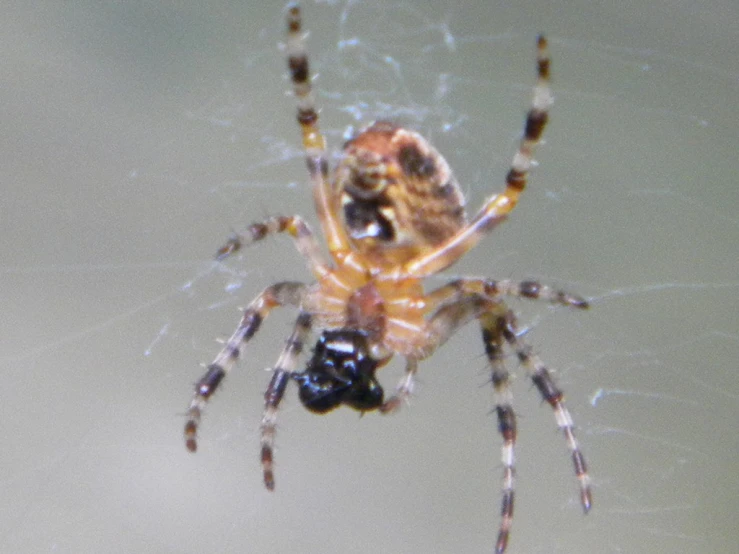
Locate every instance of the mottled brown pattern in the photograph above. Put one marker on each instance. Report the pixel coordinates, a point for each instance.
(396, 175)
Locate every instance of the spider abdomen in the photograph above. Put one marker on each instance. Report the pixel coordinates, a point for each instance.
(398, 193)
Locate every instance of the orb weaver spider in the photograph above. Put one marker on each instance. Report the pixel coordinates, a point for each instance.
(391, 214)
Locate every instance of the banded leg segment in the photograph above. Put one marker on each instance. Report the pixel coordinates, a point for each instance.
(498, 206)
(492, 326)
(288, 293)
(286, 366)
(327, 207)
(542, 379)
(494, 290)
(293, 225)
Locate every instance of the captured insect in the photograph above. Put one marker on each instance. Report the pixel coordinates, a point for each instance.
(391, 214)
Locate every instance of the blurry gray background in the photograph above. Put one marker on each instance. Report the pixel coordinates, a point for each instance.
(136, 135)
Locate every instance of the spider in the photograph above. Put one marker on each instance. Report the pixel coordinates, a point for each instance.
(391, 214)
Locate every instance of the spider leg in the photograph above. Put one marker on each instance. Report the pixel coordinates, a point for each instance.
(542, 379)
(461, 307)
(287, 293)
(327, 207)
(295, 226)
(492, 325)
(404, 389)
(494, 290)
(498, 206)
(286, 365)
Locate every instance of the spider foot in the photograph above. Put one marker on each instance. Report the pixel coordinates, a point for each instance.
(404, 390)
(234, 244)
(191, 429)
(267, 461)
(392, 404)
(586, 499)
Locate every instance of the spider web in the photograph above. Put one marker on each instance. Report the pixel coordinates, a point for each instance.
(136, 137)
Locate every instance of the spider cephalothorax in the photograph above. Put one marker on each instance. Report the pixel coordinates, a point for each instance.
(392, 214)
